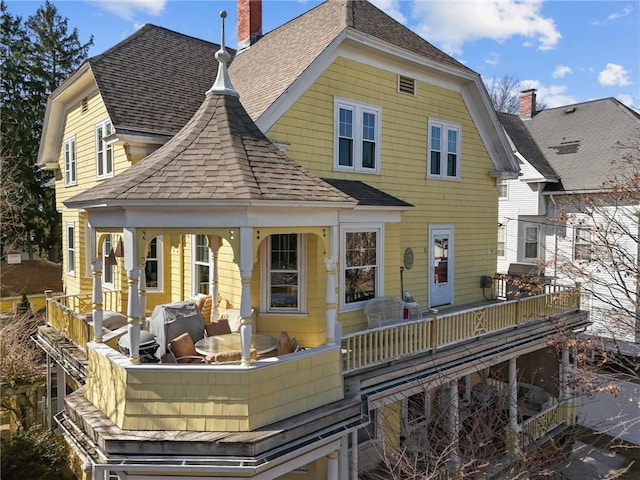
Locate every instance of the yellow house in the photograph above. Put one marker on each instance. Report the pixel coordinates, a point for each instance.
(333, 164)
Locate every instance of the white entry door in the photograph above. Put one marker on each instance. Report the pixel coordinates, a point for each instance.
(440, 265)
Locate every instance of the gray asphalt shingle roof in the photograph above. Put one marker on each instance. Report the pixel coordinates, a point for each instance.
(525, 144)
(366, 195)
(584, 143)
(154, 80)
(220, 155)
(263, 72)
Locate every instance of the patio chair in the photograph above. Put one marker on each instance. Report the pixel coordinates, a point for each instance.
(286, 344)
(204, 305)
(219, 327)
(234, 356)
(184, 350)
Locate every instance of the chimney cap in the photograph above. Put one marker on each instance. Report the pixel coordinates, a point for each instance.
(529, 90)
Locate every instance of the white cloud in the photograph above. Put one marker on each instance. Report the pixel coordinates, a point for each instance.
(551, 95)
(629, 101)
(451, 24)
(391, 8)
(561, 71)
(492, 59)
(625, 11)
(614, 75)
(127, 8)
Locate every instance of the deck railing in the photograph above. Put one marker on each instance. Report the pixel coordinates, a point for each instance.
(68, 314)
(384, 344)
(535, 427)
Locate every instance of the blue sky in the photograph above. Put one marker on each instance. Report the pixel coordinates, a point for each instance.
(571, 51)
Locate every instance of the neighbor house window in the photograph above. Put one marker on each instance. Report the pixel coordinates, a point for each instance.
(284, 280)
(444, 150)
(104, 150)
(502, 240)
(531, 235)
(71, 249)
(70, 162)
(357, 137)
(582, 243)
(502, 185)
(107, 267)
(361, 257)
(153, 265)
(201, 265)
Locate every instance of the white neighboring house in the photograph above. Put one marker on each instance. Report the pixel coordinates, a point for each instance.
(564, 153)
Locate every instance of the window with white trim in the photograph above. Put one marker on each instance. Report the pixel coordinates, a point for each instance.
(531, 243)
(69, 148)
(582, 244)
(502, 240)
(153, 265)
(503, 188)
(284, 273)
(201, 264)
(444, 150)
(357, 136)
(107, 267)
(104, 150)
(71, 250)
(361, 257)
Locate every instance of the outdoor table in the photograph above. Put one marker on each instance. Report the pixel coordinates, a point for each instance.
(231, 342)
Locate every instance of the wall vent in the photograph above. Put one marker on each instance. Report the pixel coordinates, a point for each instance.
(85, 105)
(406, 85)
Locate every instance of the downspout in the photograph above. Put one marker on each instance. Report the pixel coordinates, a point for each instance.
(555, 240)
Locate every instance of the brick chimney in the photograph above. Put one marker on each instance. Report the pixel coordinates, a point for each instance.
(249, 22)
(528, 103)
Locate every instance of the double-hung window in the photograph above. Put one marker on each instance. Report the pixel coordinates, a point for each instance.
(444, 150)
(502, 240)
(531, 235)
(104, 150)
(200, 265)
(71, 250)
(69, 148)
(357, 137)
(107, 266)
(582, 244)
(284, 274)
(153, 265)
(361, 256)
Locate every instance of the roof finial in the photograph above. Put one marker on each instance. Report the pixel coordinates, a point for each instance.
(222, 85)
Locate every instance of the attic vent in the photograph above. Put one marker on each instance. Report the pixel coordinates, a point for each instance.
(570, 110)
(85, 105)
(406, 85)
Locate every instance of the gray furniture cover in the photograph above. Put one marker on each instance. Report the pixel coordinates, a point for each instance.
(171, 320)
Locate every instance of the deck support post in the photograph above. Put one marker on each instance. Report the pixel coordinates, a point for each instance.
(96, 299)
(133, 316)
(454, 422)
(246, 264)
(514, 428)
(354, 455)
(142, 297)
(214, 246)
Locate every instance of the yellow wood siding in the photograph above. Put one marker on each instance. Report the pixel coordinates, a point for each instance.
(210, 398)
(470, 204)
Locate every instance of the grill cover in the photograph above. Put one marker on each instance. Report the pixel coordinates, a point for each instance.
(171, 320)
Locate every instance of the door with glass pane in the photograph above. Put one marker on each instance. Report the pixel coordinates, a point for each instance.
(440, 265)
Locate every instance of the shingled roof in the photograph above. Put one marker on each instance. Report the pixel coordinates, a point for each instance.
(584, 142)
(260, 80)
(366, 195)
(219, 155)
(153, 81)
(526, 145)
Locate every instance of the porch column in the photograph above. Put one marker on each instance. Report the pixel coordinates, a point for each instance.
(132, 267)
(565, 389)
(331, 299)
(454, 422)
(214, 246)
(246, 267)
(142, 297)
(96, 299)
(332, 466)
(133, 314)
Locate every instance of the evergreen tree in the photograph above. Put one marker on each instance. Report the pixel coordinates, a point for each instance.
(37, 56)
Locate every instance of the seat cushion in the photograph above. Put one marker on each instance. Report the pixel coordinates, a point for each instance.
(183, 346)
(219, 327)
